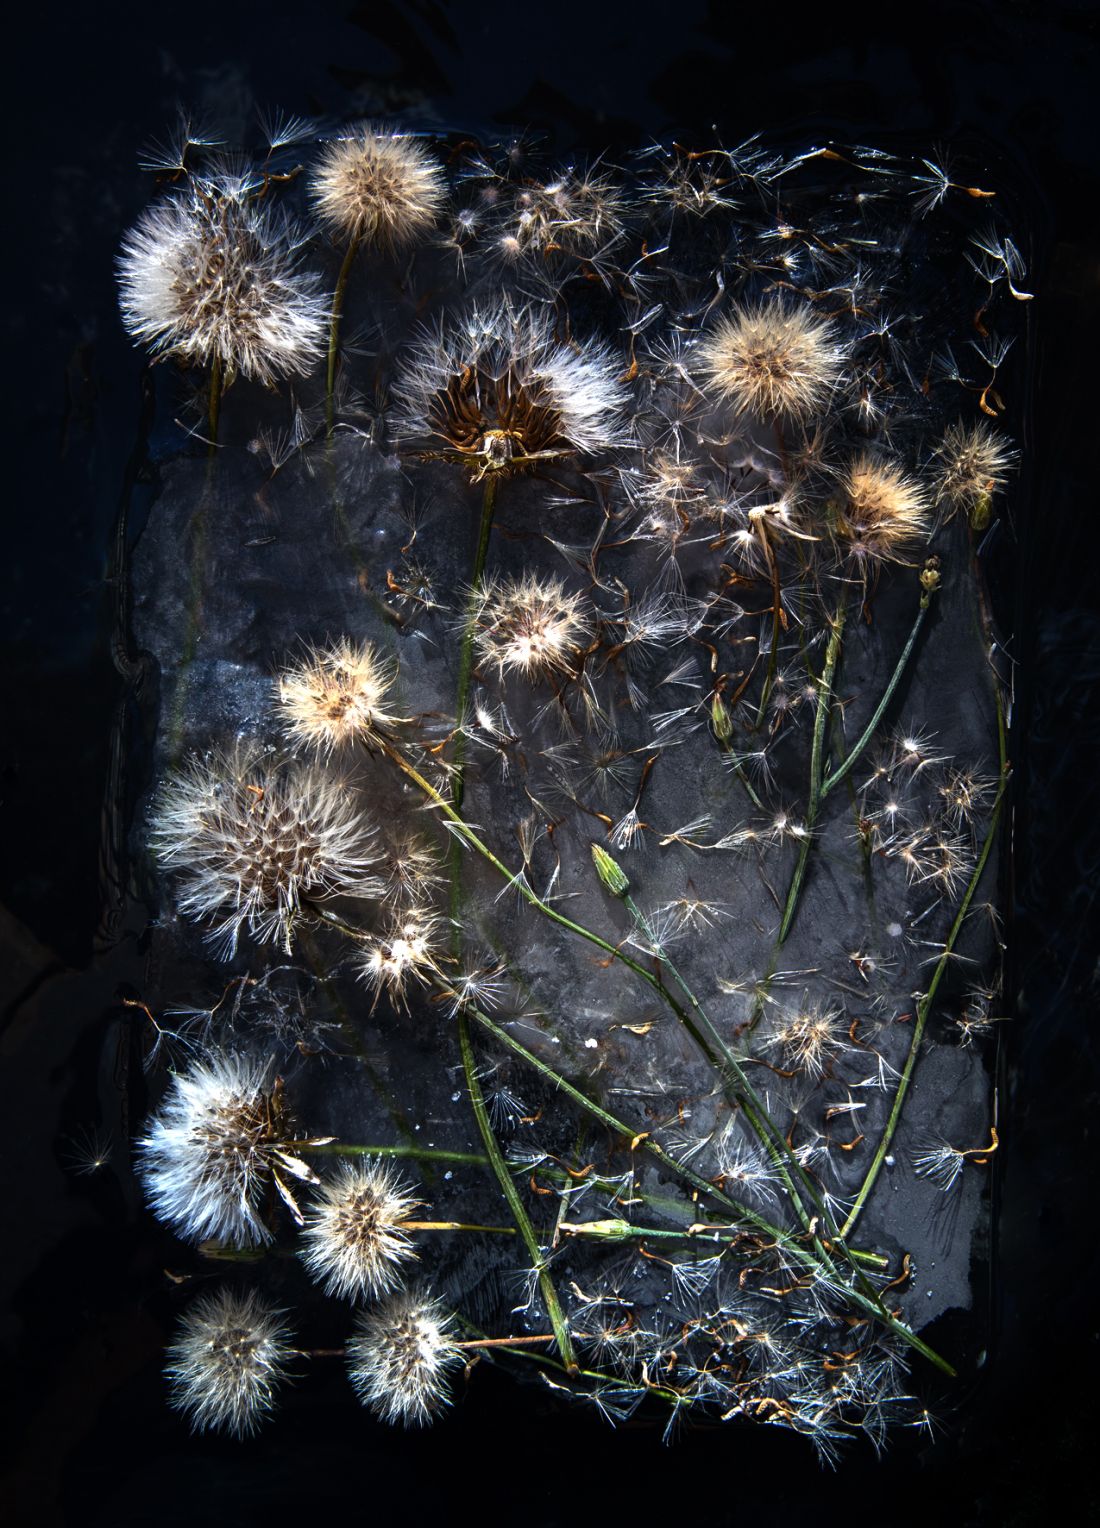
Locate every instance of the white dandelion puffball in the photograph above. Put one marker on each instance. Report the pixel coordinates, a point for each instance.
(207, 274)
(249, 834)
(497, 388)
(211, 1152)
(227, 1361)
(355, 1242)
(400, 1357)
(379, 187)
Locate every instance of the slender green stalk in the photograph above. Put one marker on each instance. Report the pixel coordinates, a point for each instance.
(214, 404)
(815, 1261)
(777, 608)
(334, 331)
(868, 733)
(817, 764)
(924, 1008)
(418, 1153)
(466, 653)
(469, 1067)
(467, 834)
(511, 1194)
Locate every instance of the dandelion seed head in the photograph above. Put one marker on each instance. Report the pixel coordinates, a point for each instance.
(400, 1357)
(212, 1150)
(497, 390)
(529, 626)
(355, 1244)
(208, 274)
(227, 1362)
(772, 360)
(973, 463)
(883, 512)
(249, 834)
(378, 187)
(337, 695)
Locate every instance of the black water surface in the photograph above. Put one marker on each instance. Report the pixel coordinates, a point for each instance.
(92, 1441)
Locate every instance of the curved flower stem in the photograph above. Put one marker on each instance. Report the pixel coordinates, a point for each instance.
(455, 1225)
(924, 1007)
(868, 733)
(775, 1143)
(777, 609)
(515, 1203)
(817, 765)
(467, 834)
(214, 404)
(334, 331)
(418, 1153)
(726, 1064)
(466, 652)
(816, 1261)
(469, 1067)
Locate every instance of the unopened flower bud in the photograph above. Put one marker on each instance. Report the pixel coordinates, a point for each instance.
(609, 872)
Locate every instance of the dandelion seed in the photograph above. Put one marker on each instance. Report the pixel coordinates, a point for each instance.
(88, 1152)
(965, 795)
(250, 835)
(882, 514)
(355, 1241)
(338, 695)
(228, 1361)
(529, 626)
(409, 951)
(498, 392)
(400, 1357)
(942, 1164)
(773, 360)
(222, 1136)
(379, 189)
(576, 215)
(208, 275)
(810, 1038)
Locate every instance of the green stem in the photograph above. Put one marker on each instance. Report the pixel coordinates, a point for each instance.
(469, 1067)
(777, 606)
(511, 1194)
(467, 834)
(334, 331)
(213, 404)
(815, 1261)
(466, 652)
(924, 1007)
(418, 1153)
(817, 764)
(887, 695)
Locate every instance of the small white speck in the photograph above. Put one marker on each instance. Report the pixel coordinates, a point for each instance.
(591, 1044)
(455, 1097)
(448, 1174)
(889, 1161)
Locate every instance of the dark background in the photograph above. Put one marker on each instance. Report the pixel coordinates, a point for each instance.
(93, 1441)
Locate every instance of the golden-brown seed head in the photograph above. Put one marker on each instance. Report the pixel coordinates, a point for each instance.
(772, 360)
(379, 188)
(337, 695)
(529, 626)
(883, 513)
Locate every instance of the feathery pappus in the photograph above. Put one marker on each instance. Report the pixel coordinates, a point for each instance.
(208, 274)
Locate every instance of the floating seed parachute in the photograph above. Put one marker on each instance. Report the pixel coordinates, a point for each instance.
(631, 912)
